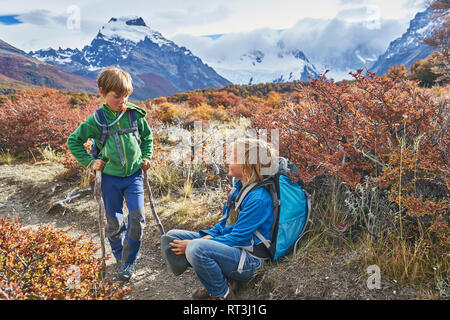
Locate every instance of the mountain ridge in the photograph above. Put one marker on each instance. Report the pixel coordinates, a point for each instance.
(409, 47)
(157, 65)
(18, 69)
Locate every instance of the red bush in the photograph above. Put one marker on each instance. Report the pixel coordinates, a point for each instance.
(49, 264)
(195, 100)
(37, 118)
(222, 98)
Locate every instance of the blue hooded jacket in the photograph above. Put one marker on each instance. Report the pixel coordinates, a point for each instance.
(255, 214)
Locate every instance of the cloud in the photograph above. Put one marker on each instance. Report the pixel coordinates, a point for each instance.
(43, 29)
(42, 18)
(417, 4)
(174, 19)
(354, 13)
(370, 15)
(333, 42)
(228, 47)
(194, 15)
(351, 2)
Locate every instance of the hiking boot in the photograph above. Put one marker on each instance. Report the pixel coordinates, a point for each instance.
(200, 294)
(230, 296)
(203, 294)
(126, 271)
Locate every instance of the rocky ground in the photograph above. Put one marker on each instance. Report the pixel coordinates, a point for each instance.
(30, 192)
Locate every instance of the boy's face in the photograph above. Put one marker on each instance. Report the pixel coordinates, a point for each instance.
(114, 100)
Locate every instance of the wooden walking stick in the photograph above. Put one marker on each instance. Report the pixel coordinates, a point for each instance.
(149, 193)
(101, 225)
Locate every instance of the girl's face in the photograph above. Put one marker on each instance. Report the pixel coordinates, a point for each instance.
(114, 100)
(234, 169)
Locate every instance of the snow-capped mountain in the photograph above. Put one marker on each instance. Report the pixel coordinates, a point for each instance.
(158, 66)
(352, 59)
(306, 49)
(252, 57)
(409, 47)
(258, 66)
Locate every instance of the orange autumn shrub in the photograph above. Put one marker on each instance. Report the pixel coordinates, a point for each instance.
(48, 264)
(202, 112)
(159, 100)
(167, 112)
(195, 100)
(273, 100)
(248, 107)
(223, 98)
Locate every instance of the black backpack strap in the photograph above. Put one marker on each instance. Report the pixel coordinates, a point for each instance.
(267, 183)
(104, 132)
(243, 193)
(103, 128)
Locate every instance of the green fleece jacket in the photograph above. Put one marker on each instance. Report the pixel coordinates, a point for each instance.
(133, 153)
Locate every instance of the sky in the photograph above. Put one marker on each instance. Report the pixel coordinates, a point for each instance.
(33, 25)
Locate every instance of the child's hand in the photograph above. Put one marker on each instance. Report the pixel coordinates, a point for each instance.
(179, 246)
(145, 164)
(98, 165)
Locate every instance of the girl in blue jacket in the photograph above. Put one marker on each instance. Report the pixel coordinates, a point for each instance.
(225, 252)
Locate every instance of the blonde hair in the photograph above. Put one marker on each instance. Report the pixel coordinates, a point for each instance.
(115, 79)
(257, 157)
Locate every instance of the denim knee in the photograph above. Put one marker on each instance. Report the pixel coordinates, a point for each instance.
(183, 234)
(195, 249)
(172, 233)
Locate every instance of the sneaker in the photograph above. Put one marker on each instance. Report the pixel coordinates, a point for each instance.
(125, 271)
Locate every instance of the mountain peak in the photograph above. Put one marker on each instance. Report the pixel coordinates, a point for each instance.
(129, 20)
(131, 28)
(159, 67)
(136, 22)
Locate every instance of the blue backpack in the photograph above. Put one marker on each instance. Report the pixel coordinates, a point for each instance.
(106, 131)
(291, 213)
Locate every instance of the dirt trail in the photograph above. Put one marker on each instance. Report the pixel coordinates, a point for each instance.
(28, 191)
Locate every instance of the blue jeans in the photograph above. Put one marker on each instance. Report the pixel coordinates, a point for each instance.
(125, 240)
(214, 262)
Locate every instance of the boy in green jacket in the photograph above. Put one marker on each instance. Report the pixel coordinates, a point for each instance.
(121, 160)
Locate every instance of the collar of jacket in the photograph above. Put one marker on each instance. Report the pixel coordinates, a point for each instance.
(129, 106)
(108, 108)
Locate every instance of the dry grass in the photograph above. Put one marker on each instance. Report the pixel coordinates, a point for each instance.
(408, 262)
(48, 154)
(6, 157)
(405, 257)
(190, 213)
